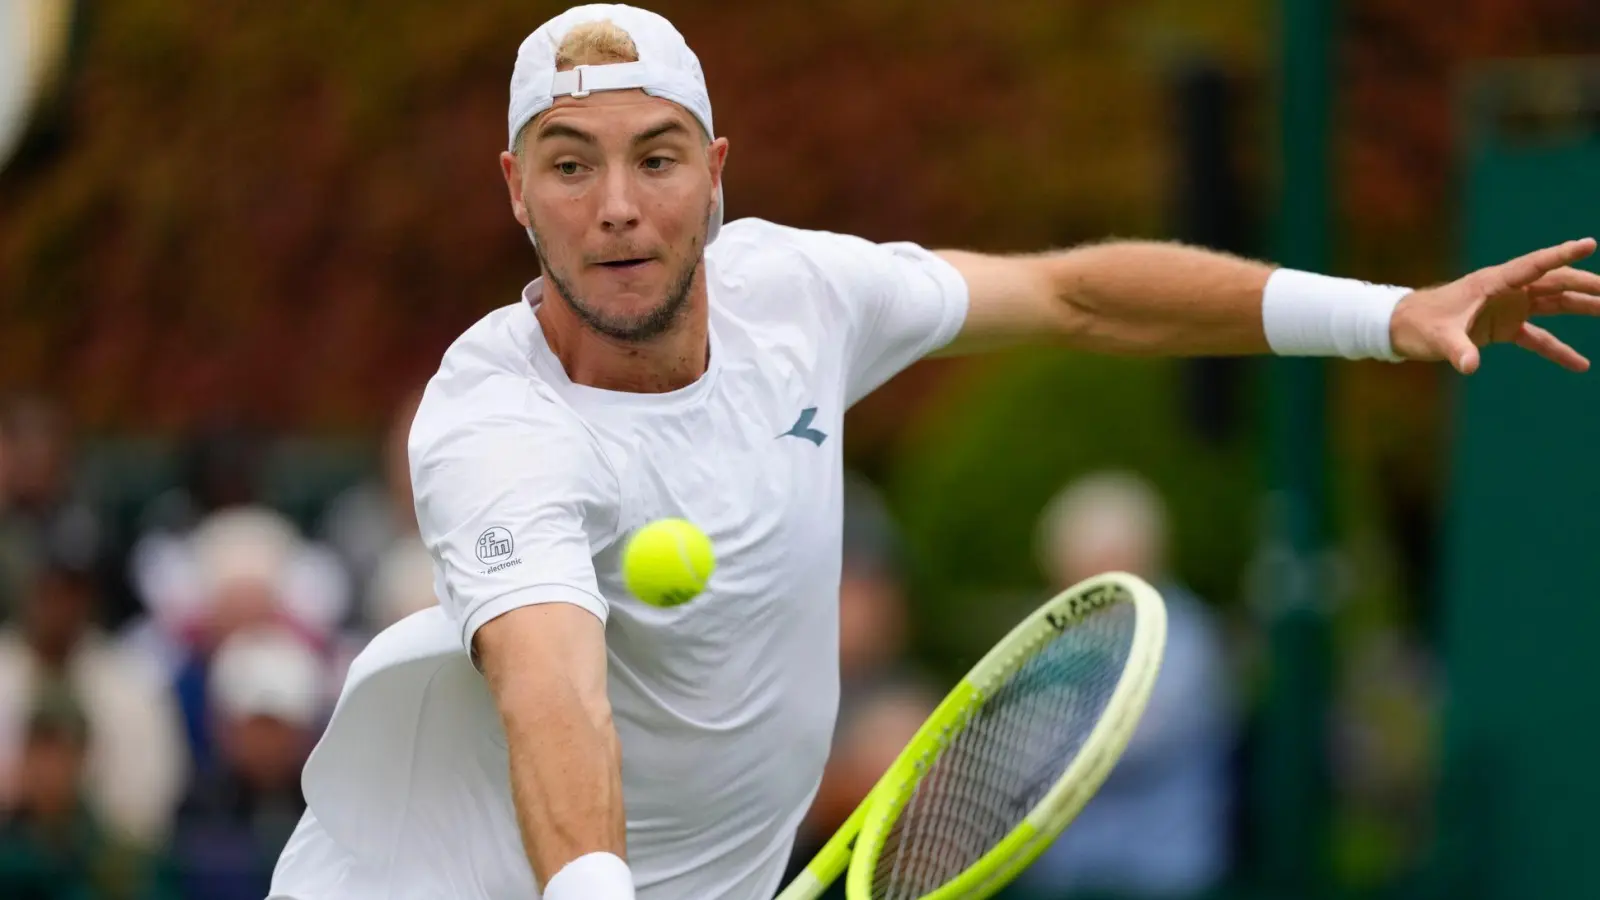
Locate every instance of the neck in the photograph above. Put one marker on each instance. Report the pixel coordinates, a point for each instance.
(674, 360)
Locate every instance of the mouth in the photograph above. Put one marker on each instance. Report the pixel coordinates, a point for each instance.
(625, 265)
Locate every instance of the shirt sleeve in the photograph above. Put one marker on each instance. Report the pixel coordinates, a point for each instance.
(512, 515)
(898, 301)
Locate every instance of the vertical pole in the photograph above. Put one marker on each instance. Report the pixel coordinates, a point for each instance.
(1293, 787)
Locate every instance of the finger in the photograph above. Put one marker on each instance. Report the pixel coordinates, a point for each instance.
(1547, 345)
(1525, 270)
(1570, 303)
(1460, 352)
(1567, 279)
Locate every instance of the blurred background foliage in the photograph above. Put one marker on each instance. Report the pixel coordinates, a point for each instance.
(229, 186)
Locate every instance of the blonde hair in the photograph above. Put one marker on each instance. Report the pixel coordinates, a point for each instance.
(595, 44)
(589, 44)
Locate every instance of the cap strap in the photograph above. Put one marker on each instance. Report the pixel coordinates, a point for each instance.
(579, 81)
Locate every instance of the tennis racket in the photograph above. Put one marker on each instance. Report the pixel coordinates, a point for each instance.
(1010, 756)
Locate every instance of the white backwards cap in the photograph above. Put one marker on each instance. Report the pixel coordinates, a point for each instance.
(667, 68)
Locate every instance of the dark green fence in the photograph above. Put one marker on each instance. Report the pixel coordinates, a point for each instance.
(1521, 786)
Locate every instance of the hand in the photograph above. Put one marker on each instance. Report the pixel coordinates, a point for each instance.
(1494, 305)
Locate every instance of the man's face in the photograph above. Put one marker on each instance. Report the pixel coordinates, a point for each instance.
(237, 605)
(60, 609)
(49, 771)
(37, 461)
(265, 751)
(871, 621)
(1084, 552)
(617, 189)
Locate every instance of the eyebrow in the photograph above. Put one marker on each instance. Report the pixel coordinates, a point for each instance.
(559, 130)
(665, 128)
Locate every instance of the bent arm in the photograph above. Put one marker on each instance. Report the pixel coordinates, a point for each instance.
(546, 666)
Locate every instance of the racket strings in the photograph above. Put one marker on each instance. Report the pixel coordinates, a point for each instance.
(1005, 756)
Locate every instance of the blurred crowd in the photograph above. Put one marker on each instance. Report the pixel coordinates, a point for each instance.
(162, 685)
(160, 689)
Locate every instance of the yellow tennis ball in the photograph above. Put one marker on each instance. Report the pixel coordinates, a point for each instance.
(668, 562)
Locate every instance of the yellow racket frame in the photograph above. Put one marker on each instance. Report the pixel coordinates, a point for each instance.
(856, 846)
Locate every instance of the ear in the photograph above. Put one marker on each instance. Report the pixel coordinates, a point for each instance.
(511, 169)
(716, 159)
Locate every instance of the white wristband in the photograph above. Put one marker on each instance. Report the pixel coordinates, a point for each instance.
(592, 876)
(1306, 314)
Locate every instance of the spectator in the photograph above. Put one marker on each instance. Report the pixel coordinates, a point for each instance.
(14, 557)
(218, 505)
(222, 467)
(52, 846)
(375, 519)
(136, 762)
(239, 568)
(38, 507)
(1160, 825)
(401, 585)
(266, 690)
(872, 600)
(882, 698)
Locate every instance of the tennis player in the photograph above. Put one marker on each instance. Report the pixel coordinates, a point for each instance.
(543, 731)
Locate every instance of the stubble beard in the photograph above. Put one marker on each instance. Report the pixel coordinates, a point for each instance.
(635, 329)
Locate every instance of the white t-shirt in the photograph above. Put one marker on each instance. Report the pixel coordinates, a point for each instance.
(527, 486)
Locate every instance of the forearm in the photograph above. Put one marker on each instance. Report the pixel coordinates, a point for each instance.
(565, 776)
(1145, 298)
(1159, 299)
(546, 666)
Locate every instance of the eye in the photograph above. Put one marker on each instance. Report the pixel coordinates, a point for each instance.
(567, 168)
(658, 163)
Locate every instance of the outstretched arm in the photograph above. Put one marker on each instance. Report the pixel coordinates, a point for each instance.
(1152, 298)
(546, 666)
(510, 503)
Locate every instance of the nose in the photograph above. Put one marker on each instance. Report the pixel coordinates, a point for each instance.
(619, 209)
